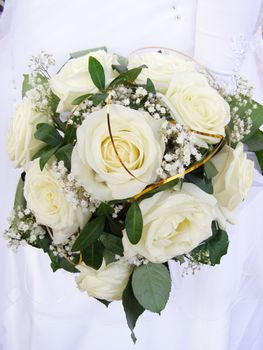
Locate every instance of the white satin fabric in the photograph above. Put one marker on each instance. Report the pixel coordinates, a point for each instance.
(219, 308)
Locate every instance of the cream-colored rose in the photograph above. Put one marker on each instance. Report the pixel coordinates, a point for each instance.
(74, 79)
(138, 140)
(234, 178)
(107, 283)
(21, 143)
(161, 67)
(197, 105)
(174, 223)
(49, 203)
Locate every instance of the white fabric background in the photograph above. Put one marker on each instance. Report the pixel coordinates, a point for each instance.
(219, 308)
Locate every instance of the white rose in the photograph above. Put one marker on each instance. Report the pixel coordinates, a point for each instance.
(108, 282)
(49, 203)
(138, 139)
(21, 143)
(174, 223)
(161, 67)
(74, 79)
(198, 105)
(234, 178)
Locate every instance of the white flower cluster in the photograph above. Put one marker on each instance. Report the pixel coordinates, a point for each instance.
(242, 99)
(23, 229)
(40, 94)
(82, 111)
(65, 250)
(76, 195)
(136, 260)
(181, 150)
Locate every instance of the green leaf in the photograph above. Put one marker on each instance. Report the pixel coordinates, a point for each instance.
(108, 257)
(120, 68)
(114, 226)
(26, 86)
(259, 155)
(86, 52)
(97, 73)
(129, 77)
(180, 259)
(64, 154)
(90, 233)
(42, 151)
(255, 143)
(112, 243)
(203, 183)
(60, 125)
(45, 156)
(151, 284)
(211, 251)
(48, 134)
(210, 170)
(93, 255)
(19, 196)
(134, 223)
(104, 210)
(104, 302)
(98, 98)
(150, 86)
(80, 99)
(132, 308)
(70, 134)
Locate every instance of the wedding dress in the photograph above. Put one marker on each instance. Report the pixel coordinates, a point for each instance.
(219, 308)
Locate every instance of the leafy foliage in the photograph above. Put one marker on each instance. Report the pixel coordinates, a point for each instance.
(134, 223)
(97, 73)
(211, 251)
(132, 308)
(90, 233)
(151, 284)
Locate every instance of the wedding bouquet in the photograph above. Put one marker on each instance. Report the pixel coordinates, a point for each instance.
(128, 164)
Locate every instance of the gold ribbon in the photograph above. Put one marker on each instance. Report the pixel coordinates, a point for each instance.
(171, 178)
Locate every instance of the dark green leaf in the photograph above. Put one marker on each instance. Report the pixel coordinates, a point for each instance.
(211, 251)
(132, 308)
(58, 122)
(134, 223)
(86, 52)
(42, 151)
(19, 196)
(70, 134)
(108, 257)
(150, 86)
(114, 226)
(43, 243)
(26, 86)
(104, 210)
(90, 233)
(98, 98)
(64, 154)
(203, 183)
(129, 77)
(259, 155)
(97, 73)
(210, 170)
(255, 143)
(120, 68)
(44, 158)
(180, 259)
(48, 134)
(104, 302)
(80, 99)
(93, 255)
(112, 243)
(151, 284)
